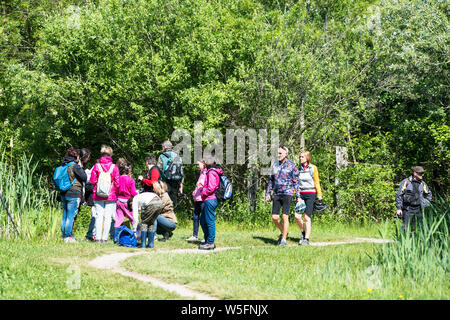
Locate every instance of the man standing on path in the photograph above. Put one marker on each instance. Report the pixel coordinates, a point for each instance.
(167, 159)
(283, 182)
(412, 197)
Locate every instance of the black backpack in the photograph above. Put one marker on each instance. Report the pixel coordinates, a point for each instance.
(174, 170)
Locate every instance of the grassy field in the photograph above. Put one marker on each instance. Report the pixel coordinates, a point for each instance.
(260, 270)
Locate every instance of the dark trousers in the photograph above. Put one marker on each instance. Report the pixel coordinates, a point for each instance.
(412, 218)
(172, 190)
(196, 217)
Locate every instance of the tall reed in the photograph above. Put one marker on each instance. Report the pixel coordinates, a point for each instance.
(422, 254)
(29, 199)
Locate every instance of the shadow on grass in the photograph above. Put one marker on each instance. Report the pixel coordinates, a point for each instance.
(274, 241)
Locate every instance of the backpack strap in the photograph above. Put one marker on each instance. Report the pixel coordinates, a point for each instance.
(100, 167)
(111, 168)
(70, 170)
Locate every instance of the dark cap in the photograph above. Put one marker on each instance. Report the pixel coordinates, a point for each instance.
(418, 169)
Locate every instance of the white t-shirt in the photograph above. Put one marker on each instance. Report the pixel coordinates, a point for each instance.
(140, 202)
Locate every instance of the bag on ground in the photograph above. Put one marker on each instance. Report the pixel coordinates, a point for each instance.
(125, 237)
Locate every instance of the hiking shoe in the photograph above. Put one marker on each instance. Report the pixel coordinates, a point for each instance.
(303, 242)
(192, 239)
(281, 237)
(166, 236)
(283, 243)
(207, 246)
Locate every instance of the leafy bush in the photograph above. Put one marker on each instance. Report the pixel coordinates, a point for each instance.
(366, 192)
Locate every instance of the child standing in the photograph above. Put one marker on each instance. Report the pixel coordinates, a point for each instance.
(126, 189)
(201, 165)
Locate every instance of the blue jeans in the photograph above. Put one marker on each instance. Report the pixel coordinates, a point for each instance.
(70, 210)
(163, 225)
(208, 220)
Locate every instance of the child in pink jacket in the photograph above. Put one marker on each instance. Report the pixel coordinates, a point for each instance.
(198, 199)
(126, 189)
(104, 207)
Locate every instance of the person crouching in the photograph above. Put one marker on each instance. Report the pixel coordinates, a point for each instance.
(149, 204)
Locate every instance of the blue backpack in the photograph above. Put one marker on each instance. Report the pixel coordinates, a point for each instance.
(61, 177)
(125, 237)
(225, 190)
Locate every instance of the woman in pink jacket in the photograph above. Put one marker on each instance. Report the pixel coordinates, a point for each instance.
(126, 189)
(208, 214)
(198, 199)
(105, 207)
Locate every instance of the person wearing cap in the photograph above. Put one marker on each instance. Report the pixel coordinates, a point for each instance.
(284, 184)
(412, 197)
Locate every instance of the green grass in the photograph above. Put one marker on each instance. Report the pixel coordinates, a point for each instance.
(43, 268)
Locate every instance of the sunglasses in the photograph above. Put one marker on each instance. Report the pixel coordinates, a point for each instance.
(420, 173)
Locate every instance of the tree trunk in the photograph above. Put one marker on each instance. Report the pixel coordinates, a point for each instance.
(341, 163)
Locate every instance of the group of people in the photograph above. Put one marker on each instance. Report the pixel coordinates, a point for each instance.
(286, 181)
(149, 210)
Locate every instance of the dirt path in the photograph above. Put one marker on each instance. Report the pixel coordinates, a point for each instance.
(112, 261)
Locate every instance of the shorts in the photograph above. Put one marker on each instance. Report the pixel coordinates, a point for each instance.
(279, 201)
(310, 199)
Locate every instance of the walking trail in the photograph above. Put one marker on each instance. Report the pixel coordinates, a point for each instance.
(112, 262)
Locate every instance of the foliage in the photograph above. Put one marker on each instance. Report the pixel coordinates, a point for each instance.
(31, 203)
(369, 75)
(366, 192)
(421, 255)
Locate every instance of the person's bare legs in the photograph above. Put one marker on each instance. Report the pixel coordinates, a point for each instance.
(299, 220)
(307, 225)
(284, 228)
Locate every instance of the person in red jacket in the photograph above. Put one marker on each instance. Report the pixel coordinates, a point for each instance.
(153, 175)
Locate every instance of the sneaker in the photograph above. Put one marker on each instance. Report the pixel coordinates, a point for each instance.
(207, 246)
(283, 243)
(306, 242)
(281, 237)
(70, 240)
(92, 239)
(192, 239)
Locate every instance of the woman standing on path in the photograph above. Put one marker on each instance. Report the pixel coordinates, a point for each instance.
(309, 190)
(208, 214)
(105, 205)
(196, 194)
(71, 198)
